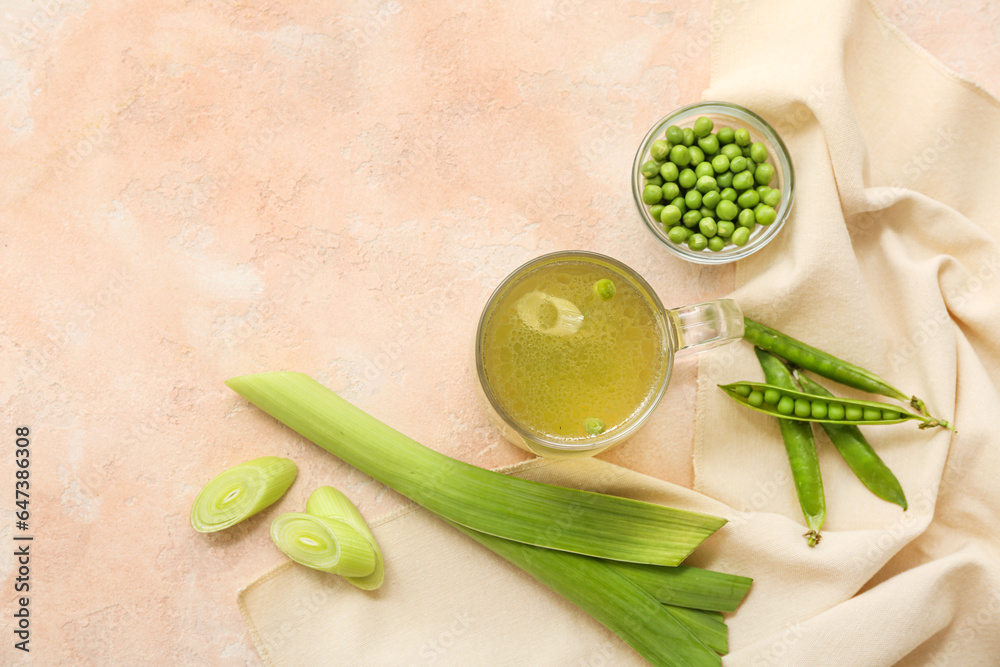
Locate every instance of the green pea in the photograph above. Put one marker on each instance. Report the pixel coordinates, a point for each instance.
(738, 164)
(704, 169)
(655, 180)
(594, 425)
(679, 234)
(773, 198)
(705, 211)
(819, 409)
(853, 413)
(691, 218)
(697, 242)
(835, 412)
(762, 190)
(726, 210)
(746, 151)
(742, 137)
(670, 190)
(758, 153)
(726, 135)
(786, 405)
(679, 203)
(751, 166)
(764, 214)
(668, 172)
(743, 180)
(680, 156)
(771, 396)
(716, 243)
(871, 414)
(652, 194)
(725, 179)
(803, 408)
(746, 219)
(689, 137)
(693, 199)
(697, 156)
(748, 199)
(728, 194)
(711, 199)
(670, 215)
(702, 126)
(720, 163)
(655, 210)
(706, 183)
(764, 174)
(741, 237)
(709, 144)
(742, 390)
(675, 135)
(725, 228)
(708, 227)
(649, 169)
(659, 149)
(687, 178)
(731, 151)
(889, 415)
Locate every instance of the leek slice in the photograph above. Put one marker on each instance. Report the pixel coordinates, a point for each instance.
(323, 544)
(328, 502)
(620, 605)
(516, 509)
(549, 314)
(241, 492)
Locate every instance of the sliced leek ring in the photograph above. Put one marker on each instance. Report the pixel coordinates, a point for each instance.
(549, 314)
(241, 492)
(323, 544)
(328, 502)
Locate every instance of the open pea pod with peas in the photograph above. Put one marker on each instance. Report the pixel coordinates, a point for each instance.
(802, 406)
(801, 355)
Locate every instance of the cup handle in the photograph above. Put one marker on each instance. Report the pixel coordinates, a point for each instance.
(704, 326)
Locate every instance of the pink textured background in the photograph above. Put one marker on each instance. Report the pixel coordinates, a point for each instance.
(194, 190)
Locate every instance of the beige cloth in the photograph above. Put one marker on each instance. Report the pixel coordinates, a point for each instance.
(890, 260)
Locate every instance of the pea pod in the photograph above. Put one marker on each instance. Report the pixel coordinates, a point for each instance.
(828, 366)
(802, 406)
(868, 467)
(801, 449)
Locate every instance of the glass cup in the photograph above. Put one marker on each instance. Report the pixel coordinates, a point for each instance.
(574, 351)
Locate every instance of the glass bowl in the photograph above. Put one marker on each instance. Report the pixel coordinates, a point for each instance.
(735, 116)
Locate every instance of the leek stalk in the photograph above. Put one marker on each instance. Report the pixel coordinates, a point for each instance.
(615, 601)
(520, 510)
(686, 586)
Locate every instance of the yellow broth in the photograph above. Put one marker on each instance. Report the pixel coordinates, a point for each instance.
(551, 376)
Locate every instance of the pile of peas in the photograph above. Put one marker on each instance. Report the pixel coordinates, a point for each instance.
(709, 189)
